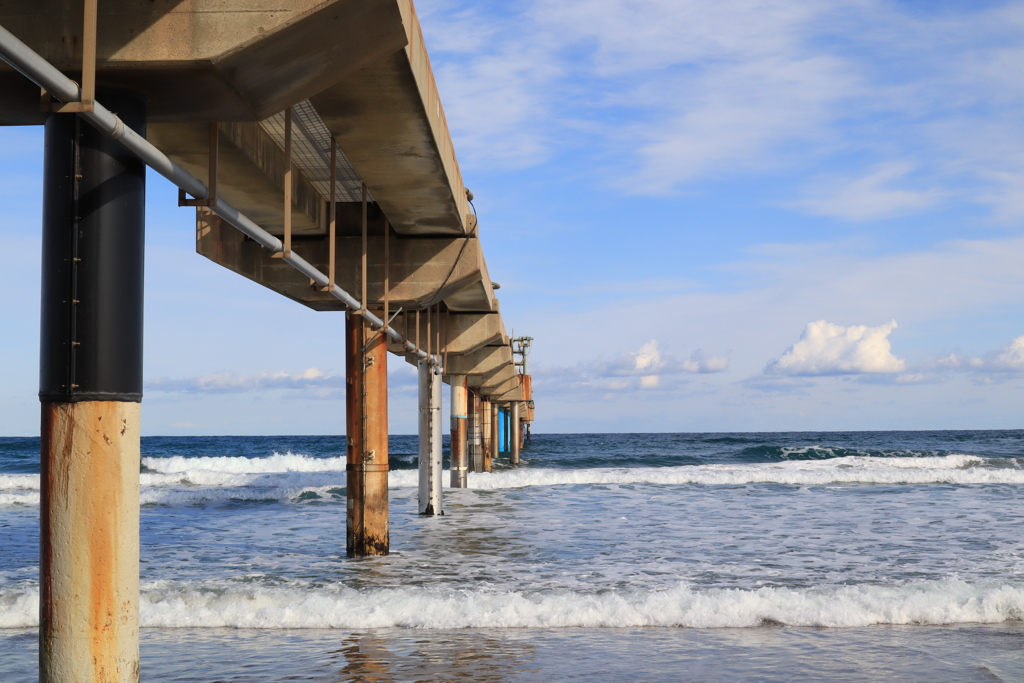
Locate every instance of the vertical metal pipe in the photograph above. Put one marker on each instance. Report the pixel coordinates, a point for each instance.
(387, 272)
(362, 261)
(459, 442)
(514, 433)
(430, 483)
(367, 430)
(288, 182)
(332, 217)
(214, 161)
(90, 388)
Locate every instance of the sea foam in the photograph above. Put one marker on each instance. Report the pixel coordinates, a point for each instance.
(278, 462)
(293, 477)
(195, 606)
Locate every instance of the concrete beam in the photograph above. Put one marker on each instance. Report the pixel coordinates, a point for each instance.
(502, 382)
(205, 60)
(423, 271)
(389, 120)
(482, 362)
(251, 173)
(460, 333)
(512, 395)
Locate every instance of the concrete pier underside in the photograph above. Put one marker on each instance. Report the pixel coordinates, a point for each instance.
(226, 83)
(357, 72)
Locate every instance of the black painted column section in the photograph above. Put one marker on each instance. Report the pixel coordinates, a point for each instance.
(94, 202)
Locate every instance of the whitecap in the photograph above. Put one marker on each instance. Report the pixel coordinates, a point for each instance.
(195, 605)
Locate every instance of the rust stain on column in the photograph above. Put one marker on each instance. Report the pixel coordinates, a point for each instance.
(367, 430)
(89, 544)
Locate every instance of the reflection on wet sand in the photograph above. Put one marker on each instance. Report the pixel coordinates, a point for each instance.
(775, 654)
(376, 657)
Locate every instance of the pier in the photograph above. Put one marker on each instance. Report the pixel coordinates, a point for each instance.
(312, 145)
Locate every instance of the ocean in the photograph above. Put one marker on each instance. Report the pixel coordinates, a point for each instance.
(840, 556)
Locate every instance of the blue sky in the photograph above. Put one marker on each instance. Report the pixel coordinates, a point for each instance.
(742, 215)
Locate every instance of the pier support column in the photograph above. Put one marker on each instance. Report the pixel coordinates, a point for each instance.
(459, 463)
(486, 442)
(514, 433)
(90, 386)
(475, 438)
(502, 431)
(366, 393)
(430, 440)
(495, 439)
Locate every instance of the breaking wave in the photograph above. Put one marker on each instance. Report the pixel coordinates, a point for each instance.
(278, 462)
(196, 606)
(293, 478)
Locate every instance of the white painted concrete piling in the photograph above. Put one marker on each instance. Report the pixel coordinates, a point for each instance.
(430, 484)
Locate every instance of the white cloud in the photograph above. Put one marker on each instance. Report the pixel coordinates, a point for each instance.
(1007, 359)
(674, 92)
(828, 349)
(702, 363)
(314, 382)
(644, 369)
(230, 383)
(649, 361)
(869, 197)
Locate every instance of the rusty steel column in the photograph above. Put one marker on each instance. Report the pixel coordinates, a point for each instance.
(459, 461)
(430, 484)
(90, 386)
(366, 393)
(515, 428)
(486, 443)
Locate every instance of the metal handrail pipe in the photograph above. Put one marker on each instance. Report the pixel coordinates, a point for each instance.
(31, 65)
(243, 224)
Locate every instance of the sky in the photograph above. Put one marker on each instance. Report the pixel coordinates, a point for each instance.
(746, 215)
